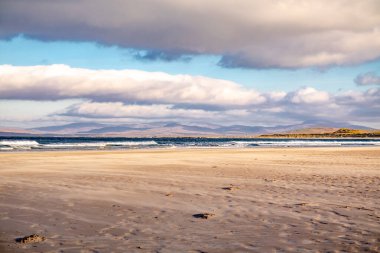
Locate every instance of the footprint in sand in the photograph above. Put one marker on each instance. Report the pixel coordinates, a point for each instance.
(307, 204)
(231, 187)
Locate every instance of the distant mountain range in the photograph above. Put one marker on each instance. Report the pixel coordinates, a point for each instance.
(173, 129)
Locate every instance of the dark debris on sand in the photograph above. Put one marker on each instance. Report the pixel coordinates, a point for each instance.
(203, 215)
(34, 238)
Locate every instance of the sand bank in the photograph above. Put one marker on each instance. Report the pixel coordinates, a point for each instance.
(258, 200)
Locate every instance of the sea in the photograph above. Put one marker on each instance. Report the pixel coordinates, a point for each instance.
(9, 144)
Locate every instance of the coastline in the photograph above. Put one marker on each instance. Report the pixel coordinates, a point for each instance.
(14, 144)
(143, 200)
(261, 136)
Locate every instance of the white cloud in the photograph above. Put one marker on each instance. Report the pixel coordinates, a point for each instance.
(309, 95)
(130, 94)
(128, 86)
(247, 33)
(119, 110)
(304, 104)
(277, 95)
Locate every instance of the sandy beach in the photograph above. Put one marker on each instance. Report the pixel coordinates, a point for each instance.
(259, 200)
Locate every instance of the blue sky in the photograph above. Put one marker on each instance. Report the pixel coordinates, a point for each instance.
(23, 51)
(261, 63)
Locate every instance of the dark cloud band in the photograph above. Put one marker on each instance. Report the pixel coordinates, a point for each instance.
(246, 33)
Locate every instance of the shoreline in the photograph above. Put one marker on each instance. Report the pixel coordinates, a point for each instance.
(71, 144)
(186, 137)
(158, 149)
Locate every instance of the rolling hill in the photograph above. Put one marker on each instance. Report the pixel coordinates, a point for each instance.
(174, 129)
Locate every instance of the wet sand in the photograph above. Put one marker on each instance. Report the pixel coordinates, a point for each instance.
(259, 200)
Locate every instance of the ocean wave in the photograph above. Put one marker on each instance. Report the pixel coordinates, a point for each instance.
(18, 144)
(32, 144)
(61, 143)
(132, 143)
(305, 143)
(100, 144)
(5, 148)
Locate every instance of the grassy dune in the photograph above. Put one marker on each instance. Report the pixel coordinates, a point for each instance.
(341, 133)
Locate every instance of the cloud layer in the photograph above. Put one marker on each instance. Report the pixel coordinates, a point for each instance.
(128, 86)
(131, 94)
(246, 33)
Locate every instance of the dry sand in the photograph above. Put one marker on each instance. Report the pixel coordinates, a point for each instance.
(259, 200)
